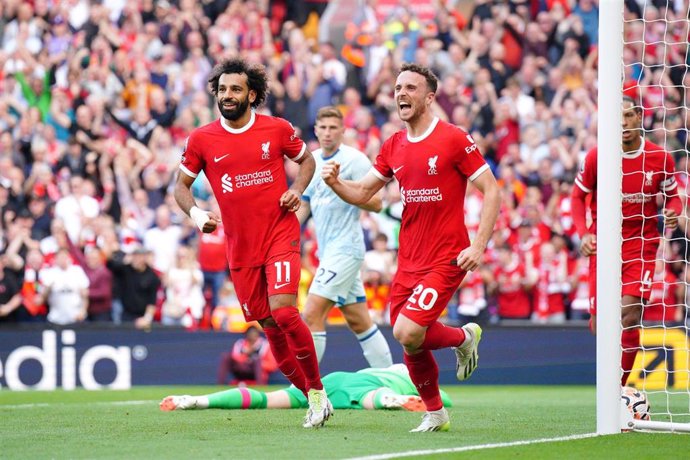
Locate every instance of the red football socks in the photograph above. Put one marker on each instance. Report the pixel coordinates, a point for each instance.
(424, 374)
(630, 339)
(285, 358)
(438, 335)
(301, 343)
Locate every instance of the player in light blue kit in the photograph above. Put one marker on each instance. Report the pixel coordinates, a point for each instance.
(340, 245)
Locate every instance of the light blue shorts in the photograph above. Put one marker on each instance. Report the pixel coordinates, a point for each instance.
(338, 279)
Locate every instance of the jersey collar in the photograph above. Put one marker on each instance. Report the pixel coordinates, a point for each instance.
(426, 133)
(324, 157)
(636, 153)
(252, 119)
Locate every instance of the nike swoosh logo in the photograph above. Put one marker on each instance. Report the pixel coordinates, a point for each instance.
(217, 159)
(410, 307)
(278, 286)
(395, 170)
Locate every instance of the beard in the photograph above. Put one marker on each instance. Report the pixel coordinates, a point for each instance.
(236, 113)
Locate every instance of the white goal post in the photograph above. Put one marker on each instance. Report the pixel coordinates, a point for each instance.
(609, 238)
(612, 415)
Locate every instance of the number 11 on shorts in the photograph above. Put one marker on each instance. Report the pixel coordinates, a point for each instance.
(279, 271)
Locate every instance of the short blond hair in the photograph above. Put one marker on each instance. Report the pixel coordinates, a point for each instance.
(329, 112)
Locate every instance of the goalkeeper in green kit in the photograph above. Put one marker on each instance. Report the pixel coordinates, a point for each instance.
(387, 388)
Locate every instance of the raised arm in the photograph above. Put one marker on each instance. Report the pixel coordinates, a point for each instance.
(359, 193)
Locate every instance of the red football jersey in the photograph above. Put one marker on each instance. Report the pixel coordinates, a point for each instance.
(512, 298)
(646, 173)
(245, 168)
(432, 170)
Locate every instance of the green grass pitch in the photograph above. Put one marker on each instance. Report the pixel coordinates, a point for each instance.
(128, 424)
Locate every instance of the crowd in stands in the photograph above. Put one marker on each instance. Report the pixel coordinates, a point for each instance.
(97, 99)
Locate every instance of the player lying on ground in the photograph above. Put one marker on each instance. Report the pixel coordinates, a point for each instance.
(387, 388)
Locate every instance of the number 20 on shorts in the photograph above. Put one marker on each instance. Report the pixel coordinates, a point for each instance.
(424, 298)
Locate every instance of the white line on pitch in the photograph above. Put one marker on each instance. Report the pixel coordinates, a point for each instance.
(412, 453)
(98, 403)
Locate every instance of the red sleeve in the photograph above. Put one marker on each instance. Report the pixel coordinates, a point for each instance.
(579, 210)
(586, 178)
(471, 162)
(669, 186)
(191, 162)
(293, 146)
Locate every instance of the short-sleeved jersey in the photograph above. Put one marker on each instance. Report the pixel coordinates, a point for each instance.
(245, 168)
(646, 173)
(338, 230)
(432, 170)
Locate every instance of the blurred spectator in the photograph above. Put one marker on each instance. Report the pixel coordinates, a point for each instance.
(138, 285)
(325, 81)
(471, 306)
(250, 361)
(380, 259)
(184, 297)
(100, 294)
(579, 287)
(65, 290)
(76, 208)
(163, 239)
(588, 11)
(512, 283)
(551, 287)
(294, 105)
(10, 291)
(213, 261)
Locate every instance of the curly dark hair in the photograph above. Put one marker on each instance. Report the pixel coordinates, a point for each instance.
(257, 80)
(431, 79)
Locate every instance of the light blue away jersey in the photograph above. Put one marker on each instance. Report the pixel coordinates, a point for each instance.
(337, 223)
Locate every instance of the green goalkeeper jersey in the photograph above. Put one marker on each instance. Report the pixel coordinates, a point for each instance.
(346, 390)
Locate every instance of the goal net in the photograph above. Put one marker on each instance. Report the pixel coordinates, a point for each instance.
(653, 59)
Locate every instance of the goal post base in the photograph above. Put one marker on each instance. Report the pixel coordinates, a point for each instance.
(651, 425)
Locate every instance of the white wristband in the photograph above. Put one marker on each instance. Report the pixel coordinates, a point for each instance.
(199, 216)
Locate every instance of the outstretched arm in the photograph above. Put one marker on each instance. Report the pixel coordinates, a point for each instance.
(358, 192)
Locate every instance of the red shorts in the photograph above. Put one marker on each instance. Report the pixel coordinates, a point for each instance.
(254, 285)
(423, 297)
(636, 280)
